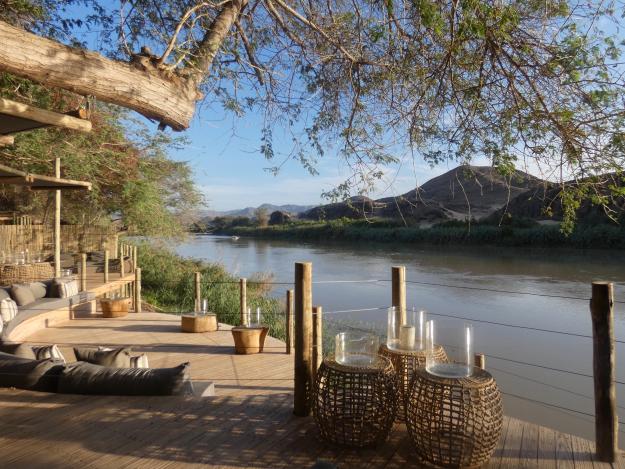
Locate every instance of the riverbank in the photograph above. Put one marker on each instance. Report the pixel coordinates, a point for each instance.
(168, 284)
(459, 233)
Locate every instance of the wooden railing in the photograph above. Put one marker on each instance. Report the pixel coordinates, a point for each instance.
(40, 238)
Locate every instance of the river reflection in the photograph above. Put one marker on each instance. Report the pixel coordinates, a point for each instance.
(541, 274)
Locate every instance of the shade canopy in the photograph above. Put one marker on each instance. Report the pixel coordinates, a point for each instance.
(18, 117)
(38, 182)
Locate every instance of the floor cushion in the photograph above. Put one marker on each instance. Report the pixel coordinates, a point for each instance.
(87, 378)
(19, 350)
(24, 373)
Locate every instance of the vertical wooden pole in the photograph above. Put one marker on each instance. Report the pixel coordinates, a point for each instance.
(106, 266)
(134, 258)
(83, 271)
(398, 278)
(121, 261)
(604, 368)
(198, 291)
(289, 321)
(303, 338)
(243, 301)
(116, 251)
(317, 350)
(137, 290)
(480, 360)
(57, 221)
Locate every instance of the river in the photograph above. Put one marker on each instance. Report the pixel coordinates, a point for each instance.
(474, 283)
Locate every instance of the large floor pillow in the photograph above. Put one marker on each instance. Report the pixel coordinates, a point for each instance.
(24, 373)
(19, 350)
(87, 378)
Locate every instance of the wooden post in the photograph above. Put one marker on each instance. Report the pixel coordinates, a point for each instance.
(480, 360)
(106, 266)
(116, 251)
(398, 277)
(604, 368)
(83, 271)
(289, 321)
(121, 261)
(137, 290)
(317, 347)
(134, 258)
(303, 338)
(198, 291)
(57, 221)
(243, 301)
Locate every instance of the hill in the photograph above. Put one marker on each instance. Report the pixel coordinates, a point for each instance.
(250, 211)
(475, 191)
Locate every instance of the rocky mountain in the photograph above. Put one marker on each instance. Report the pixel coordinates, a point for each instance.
(250, 211)
(475, 191)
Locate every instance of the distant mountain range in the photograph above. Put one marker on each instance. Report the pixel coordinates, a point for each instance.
(478, 192)
(250, 211)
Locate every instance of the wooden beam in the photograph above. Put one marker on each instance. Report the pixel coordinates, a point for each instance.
(152, 90)
(25, 111)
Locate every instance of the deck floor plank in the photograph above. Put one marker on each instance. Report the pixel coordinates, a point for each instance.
(249, 423)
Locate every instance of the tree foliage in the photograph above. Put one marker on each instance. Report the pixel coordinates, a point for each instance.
(524, 83)
(131, 175)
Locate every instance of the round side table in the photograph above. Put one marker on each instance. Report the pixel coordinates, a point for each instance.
(115, 307)
(354, 406)
(405, 362)
(198, 323)
(249, 339)
(454, 422)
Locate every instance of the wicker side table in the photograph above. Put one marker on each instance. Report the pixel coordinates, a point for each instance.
(354, 406)
(115, 307)
(198, 323)
(454, 422)
(405, 362)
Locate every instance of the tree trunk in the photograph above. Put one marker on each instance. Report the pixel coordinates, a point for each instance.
(143, 85)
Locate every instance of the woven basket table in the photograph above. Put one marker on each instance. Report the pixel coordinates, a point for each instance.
(25, 273)
(454, 422)
(115, 307)
(198, 323)
(405, 362)
(355, 406)
(248, 339)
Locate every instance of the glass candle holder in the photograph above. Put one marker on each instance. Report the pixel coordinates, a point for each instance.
(204, 306)
(256, 318)
(457, 340)
(412, 330)
(356, 349)
(392, 329)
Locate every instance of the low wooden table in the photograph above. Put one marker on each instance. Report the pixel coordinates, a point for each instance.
(198, 323)
(115, 307)
(248, 340)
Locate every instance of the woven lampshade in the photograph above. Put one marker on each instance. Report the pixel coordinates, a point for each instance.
(454, 422)
(354, 406)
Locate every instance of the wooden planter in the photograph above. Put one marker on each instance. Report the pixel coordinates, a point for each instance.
(248, 340)
(198, 323)
(114, 307)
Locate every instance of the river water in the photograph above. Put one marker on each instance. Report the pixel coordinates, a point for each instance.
(474, 283)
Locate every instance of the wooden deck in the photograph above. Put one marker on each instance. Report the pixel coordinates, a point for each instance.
(248, 424)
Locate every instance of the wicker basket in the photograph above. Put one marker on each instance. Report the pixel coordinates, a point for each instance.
(25, 273)
(354, 406)
(405, 362)
(454, 422)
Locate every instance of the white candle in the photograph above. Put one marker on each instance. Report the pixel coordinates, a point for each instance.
(406, 337)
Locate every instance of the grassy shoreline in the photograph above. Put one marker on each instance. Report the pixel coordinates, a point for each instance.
(167, 282)
(452, 233)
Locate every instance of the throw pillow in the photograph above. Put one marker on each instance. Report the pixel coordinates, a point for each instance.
(22, 294)
(140, 361)
(48, 351)
(65, 288)
(118, 358)
(8, 310)
(4, 293)
(86, 378)
(39, 290)
(19, 350)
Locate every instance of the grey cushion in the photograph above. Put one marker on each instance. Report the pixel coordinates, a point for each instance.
(119, 357)
(23, 373)
(4, 293)
(22, 294)
(19, 350)
(48, 351)
(65, 287)
(86, 378)
(39, 290)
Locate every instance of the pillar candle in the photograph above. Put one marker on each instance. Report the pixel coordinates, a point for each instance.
(407, 337)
